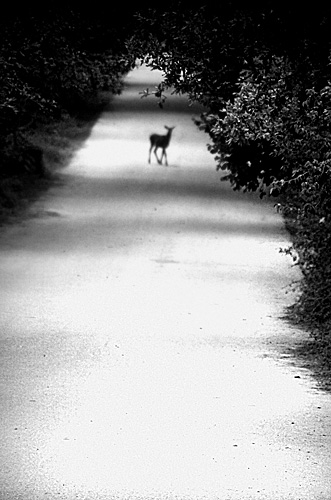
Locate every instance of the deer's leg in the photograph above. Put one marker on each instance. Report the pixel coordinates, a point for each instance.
(165, 155)
(149, 156)
(157, 158)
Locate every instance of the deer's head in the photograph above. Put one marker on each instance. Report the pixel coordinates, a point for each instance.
(170, 129)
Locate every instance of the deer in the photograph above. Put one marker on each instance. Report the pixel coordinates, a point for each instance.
(160, 141)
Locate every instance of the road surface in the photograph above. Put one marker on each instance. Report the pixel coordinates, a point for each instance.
(143, 351)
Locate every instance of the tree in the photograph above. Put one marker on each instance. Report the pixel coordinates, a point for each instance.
(53, 61)
(212, 52)
(263, 76)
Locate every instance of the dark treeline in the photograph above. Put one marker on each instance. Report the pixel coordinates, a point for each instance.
(263, 74)
(55, 60)
(262, 71)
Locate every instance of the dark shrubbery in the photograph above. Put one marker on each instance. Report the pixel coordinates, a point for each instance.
(267, 94)
(53, 62)
(275, 136)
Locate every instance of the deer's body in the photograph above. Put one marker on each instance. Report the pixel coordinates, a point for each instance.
(160, 142)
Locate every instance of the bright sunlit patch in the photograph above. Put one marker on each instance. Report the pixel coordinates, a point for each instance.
(157, 419)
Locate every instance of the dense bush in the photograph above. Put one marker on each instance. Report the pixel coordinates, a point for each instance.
(275, 135)
(52, 61)
(267, 95)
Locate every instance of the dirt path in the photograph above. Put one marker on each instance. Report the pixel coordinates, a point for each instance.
(143, 354)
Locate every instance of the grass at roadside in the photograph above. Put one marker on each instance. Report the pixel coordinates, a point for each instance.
(310, 250)
(58, 140)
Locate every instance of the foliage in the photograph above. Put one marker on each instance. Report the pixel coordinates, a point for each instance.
(272, 129)
(194, 49)
(276, 133)
(247, 69)
(52, 62)
(267, 98)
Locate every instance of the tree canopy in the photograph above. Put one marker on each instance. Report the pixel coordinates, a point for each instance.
(263, 75)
